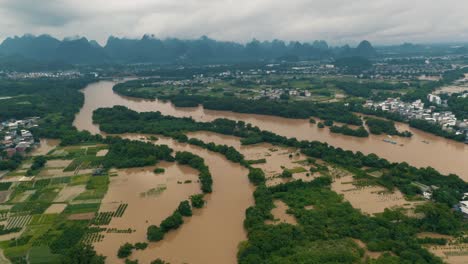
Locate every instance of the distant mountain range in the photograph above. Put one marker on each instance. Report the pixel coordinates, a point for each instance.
(149, 49)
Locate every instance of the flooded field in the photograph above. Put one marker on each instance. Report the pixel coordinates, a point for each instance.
(45, 146)
(276, 159)
(371, 199)
(211, 235)
(280, 214)
(450, 158)
(453, 253)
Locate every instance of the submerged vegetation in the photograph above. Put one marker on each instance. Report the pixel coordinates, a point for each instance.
(325, 233)
(400, 175)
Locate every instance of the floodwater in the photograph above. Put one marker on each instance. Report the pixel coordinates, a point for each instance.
(371, 199)
(211, 235)
(277, 158)
(45, 146)
(454, 252)
(280, 214)
(447, 156)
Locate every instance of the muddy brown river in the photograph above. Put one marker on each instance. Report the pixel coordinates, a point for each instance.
(421, 150)
(211, 235)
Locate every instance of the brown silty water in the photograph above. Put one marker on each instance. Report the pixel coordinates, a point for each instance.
(211, 235)
(422, 150)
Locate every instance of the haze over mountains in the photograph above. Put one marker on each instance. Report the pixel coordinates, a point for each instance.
(149, 49)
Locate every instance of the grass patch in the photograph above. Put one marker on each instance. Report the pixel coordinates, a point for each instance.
(79, 180)
(42, 254)
(297, 170)
(258, 161)
(4, 186)
(154, 191)
(96, 188)
(82, 208)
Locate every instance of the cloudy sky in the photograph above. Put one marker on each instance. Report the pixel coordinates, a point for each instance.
(336, 21)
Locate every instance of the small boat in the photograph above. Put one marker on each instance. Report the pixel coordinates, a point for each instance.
(425, 142)
(389, 141)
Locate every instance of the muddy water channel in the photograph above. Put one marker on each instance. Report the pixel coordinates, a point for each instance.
(445, 155)
(211, 235)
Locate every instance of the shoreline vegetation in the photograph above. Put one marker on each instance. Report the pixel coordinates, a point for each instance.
(336, 112)
(322, 234)
(317, 236)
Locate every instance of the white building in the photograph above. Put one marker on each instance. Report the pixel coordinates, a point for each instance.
(434, 99)
(464, 207)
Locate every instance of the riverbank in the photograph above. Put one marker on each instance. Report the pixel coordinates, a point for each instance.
(444, 155)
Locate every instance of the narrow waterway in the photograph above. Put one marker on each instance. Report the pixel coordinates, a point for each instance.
(422, 150)
(210, 236)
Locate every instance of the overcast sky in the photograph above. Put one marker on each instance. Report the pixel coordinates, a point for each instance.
(336, 21)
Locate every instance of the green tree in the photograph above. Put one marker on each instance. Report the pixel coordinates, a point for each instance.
(125, 250)
(81, 254)
(172, 222)
(256, 176)
(197, 200)
(286, 174)
(184, 208)
(154, 233)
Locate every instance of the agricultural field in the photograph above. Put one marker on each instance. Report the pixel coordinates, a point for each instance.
(43, 216)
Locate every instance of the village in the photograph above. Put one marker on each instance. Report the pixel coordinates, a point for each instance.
(16, 138)
(416, 110)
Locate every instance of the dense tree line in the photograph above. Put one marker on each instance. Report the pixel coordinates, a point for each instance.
(435, 129)
(459, 106)
(10, 163)
(69, 237)
(38, 163)
(299, 109)
(125, 153)
(322, 234)
(401, 176)
(346, 130)
(82, 254)
(365, 89)
(55, 101)
(379, 126)
(174, 221)
(197, 163)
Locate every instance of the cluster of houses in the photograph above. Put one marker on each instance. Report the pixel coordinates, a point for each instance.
(16, 136)
(427, 192)
(411, 70)
(35, 75)
(275, 93)
(415, 110)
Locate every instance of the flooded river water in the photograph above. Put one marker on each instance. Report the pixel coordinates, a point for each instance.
(447, 156)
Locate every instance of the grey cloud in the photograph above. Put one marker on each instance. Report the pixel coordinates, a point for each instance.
(337, 21)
